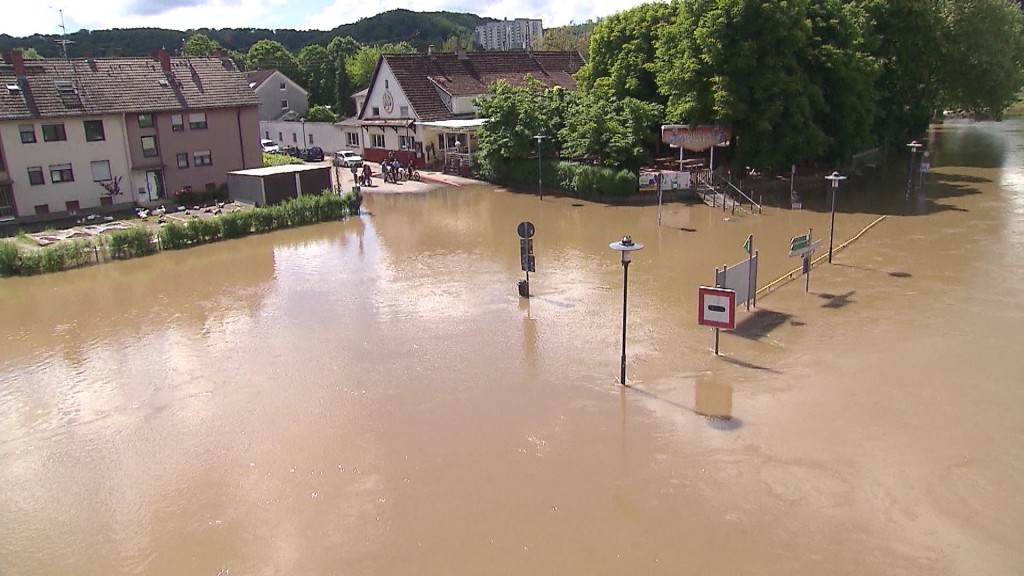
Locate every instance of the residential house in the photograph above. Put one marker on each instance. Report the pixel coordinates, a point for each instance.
(281, 98)
(422, 104)
(78, 134)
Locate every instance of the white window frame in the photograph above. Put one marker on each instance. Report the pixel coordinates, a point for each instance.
(26, 129)
(403, 111)
(183, 156)
(376, 141)
(202, 158)
(61, 173)
(104, 170)
(177, 123)
(353, 138)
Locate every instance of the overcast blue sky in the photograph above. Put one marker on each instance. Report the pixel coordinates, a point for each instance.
(41, 18)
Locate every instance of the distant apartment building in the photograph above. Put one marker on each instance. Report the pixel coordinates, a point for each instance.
(518, 34)
(79, 134)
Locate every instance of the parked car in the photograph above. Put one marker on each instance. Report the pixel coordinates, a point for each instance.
(270, 147)
(348, 159)
(313, 154)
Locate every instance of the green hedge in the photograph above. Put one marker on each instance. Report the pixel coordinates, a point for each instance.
(280, 159)
(581, 180)
(130, 243)
(137, 241)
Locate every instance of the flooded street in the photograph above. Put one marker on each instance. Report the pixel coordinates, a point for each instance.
(372, 397)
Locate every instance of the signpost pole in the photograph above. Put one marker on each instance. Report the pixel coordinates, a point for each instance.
(750, 265)
(753, 294)
(807, 265)
(660, 190)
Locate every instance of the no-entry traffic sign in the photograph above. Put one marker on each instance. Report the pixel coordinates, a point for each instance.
(717, 307)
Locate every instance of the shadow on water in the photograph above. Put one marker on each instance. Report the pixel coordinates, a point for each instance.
(745, 364)
(893, 273)
(713, 402)
(760, 324)
(836, 300)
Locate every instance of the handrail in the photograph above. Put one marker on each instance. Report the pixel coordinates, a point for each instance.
(741, 193)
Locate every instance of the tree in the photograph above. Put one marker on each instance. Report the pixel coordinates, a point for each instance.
(343, 90)
(199, 45)
(982, 55)
(360, 66)
(903, 38)
(342, 47)
(738, 63)
(320, 114)
(515, 115)
(318, 73)
(622, 50)
(267, 54)
(608, 130)
(574, 37)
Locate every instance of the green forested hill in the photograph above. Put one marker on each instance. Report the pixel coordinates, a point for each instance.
(418, 28)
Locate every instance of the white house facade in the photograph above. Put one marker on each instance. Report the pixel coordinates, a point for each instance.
(281, 98)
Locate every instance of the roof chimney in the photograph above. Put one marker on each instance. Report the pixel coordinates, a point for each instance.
(14, 57)
(461, 54)
(430, 50)
(165, 60)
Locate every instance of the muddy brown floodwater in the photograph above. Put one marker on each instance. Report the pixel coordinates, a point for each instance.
(372, 397)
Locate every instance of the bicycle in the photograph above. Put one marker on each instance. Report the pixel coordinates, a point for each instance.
(411, 173)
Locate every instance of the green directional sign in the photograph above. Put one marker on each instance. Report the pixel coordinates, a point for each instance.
(799, 242)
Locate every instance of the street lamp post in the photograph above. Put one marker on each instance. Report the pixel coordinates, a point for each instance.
(540, 181)
(625, 247)
(304, 145)
(835, 178)
(914, 146)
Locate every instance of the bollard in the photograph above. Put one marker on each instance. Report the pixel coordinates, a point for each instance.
(524, 288)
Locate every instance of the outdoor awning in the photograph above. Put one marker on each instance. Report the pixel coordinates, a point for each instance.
(468, 125)
(399, 123)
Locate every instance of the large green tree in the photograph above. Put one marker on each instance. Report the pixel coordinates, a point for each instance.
(982, 54)
(317, 74)
(343, 90)
(361, 65)
(608, 130)
(199, 45)
(739, 63)
(622, 49)
(267, 54)
(515, 115)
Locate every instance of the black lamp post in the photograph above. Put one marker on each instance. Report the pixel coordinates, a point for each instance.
(835, 178)
(624, 246)
(304, 145)
(540, 185)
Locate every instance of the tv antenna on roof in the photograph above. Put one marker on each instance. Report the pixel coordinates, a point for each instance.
(63, 41)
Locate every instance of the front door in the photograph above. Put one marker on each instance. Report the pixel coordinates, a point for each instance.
(7, 211)
(154, 184)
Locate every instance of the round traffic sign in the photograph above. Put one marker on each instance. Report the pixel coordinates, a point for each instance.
(525, 230)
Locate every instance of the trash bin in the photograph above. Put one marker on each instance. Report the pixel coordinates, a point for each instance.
(524, 288)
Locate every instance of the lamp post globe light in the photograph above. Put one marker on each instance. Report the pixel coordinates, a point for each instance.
(835, 178)
(540, 186)
(914, 146)
(625, 246)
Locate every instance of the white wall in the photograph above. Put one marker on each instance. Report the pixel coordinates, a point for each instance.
(323, 134)
(75, 151)
(387, 85)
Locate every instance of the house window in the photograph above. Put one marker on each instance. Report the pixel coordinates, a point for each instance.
(54, 133)
(100, 170)
(202, 158)
(35, 176)
(61, 173)
(378, 140)
(385, 83)
(28, 133)
(145, 120)
(106, 200)
(177, 123)
(149, 146)
(280, 137)
(183, 160)
(266, 135)
(94, 131)
(375, 111)
(282, 85)
(353, 138)
(403, 111)
(405, 142)
(310, 139)
(197, 121)
(72, 206)
(284, 104)
(42, 208)
(295, 138)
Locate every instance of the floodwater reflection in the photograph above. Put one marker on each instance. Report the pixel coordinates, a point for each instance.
(373, 397)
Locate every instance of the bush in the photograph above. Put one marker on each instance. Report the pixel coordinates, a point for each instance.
(218, 194)
(173, 236)
(588, 181)
(64, 254)
(8, 258)
(203, 230)
(236, 224)
(279, 159)
(130, 243)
